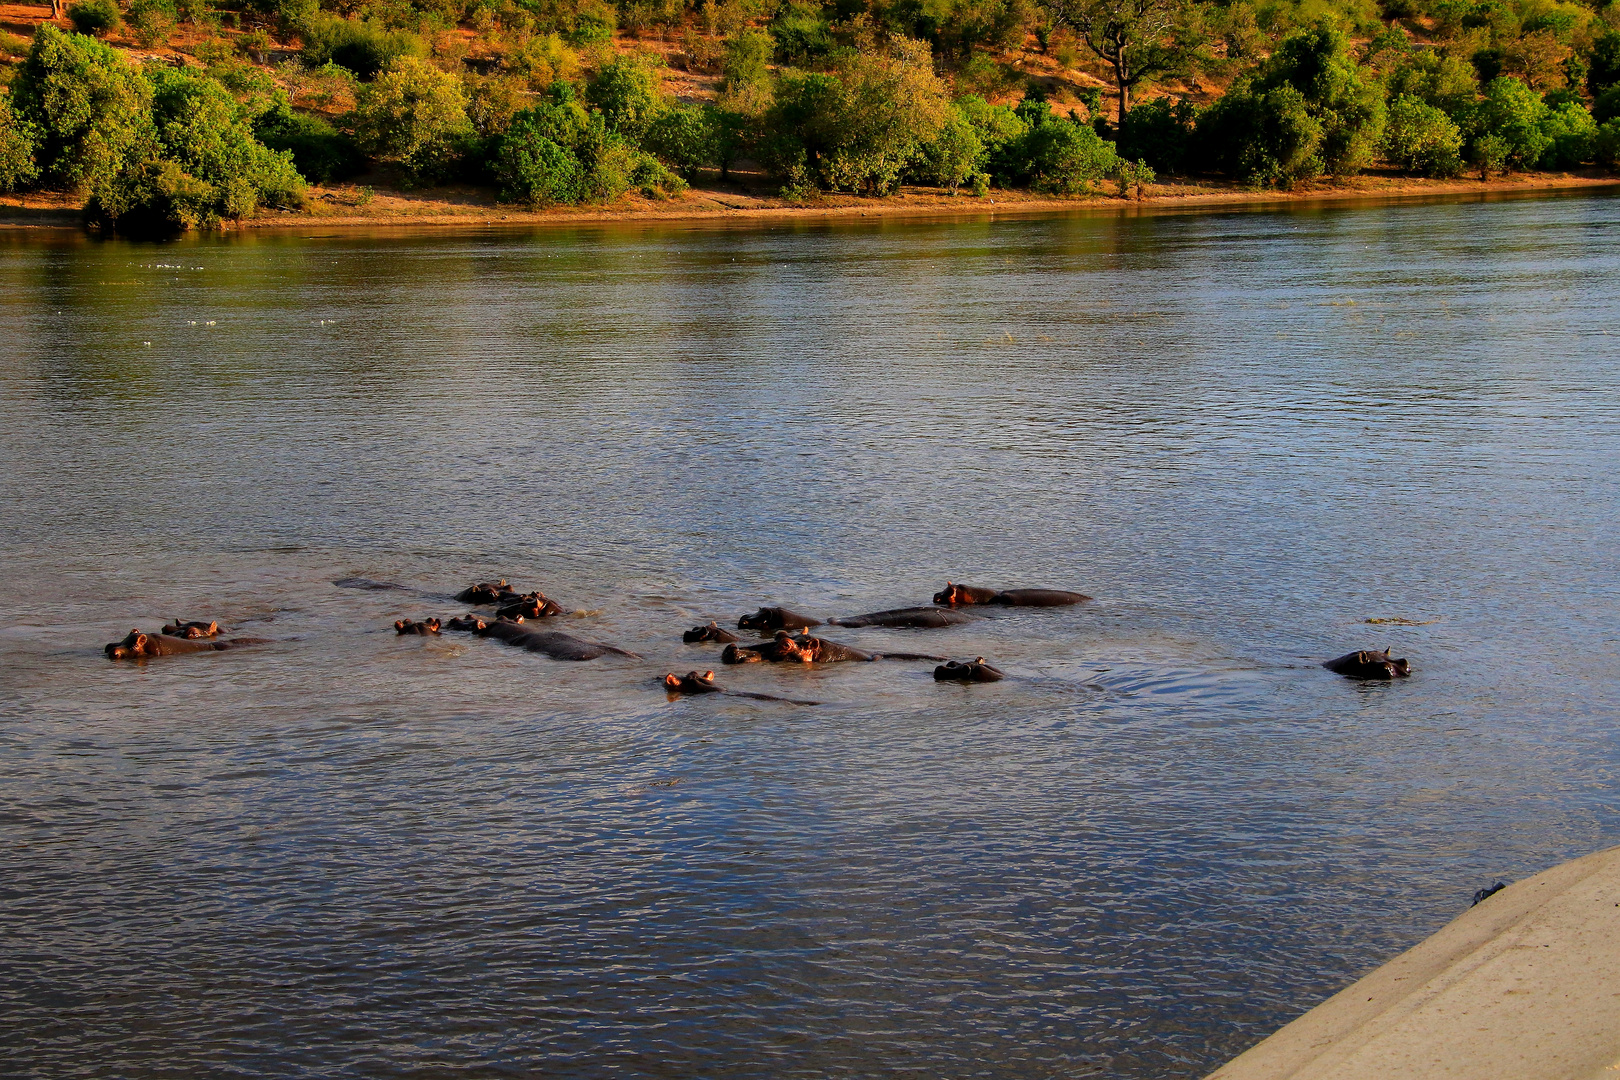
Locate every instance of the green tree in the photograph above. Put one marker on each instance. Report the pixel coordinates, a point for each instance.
(91, 111)
(1572, 136)
(628, 95)
(1265, 136)
(1511, 115)
(1420, 138)
(1067, 158)
(205, 131)
(1446, 82)
(1603, 63)
(415, 115)
(954, 155)
(1134, 37)
(683, 136)
(532, 167)
(17, 141)
(1161, 133)
(1001, 130)
(1348, 106)
(1606, 146)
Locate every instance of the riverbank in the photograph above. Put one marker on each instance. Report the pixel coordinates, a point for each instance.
(355, 206)
(1518, 987)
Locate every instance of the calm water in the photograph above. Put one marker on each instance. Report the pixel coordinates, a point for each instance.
(352, 854)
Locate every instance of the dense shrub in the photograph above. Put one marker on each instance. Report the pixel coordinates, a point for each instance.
(628, 96)
(1001, 130)
(153, 20)
(556, 152)
(1066, 158)
(801, 32)
(1603, 63)
(89, 109)
(202, 129)
(1267, 137)
(1511, 117)
(684, 138)
(1348, 106)
(954, 156)
(415, 115)
(320, 152)
(17, 141)
(1607, 105)
(1446, 82)
(94, 16)
(1420, 138)
(362, 47)
(1572, 135)
(1606, 146)
(533, 168)
(1159, 132)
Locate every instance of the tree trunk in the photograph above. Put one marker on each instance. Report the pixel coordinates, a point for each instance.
(1124, 87)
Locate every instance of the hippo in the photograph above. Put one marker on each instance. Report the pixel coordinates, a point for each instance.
(487, 592)
(975, 670)
(955, 595)
(468, 622)
(703, 683)
(528, 606)
(424, 628)
(553, 643)
(1368, 664)
(776, 618)
(805, 649)
(369, 585)
(712, 632)
(139, 646)
(912, 617)
(182, 628)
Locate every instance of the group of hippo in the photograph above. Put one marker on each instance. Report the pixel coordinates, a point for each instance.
(519, 619)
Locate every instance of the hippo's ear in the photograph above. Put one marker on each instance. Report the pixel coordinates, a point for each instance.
(780, 634)
(672, 679)
(213, 627)
(140, 640)
(978, 659)
(708, 676)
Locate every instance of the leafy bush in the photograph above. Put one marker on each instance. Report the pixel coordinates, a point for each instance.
(1160, 133)
(152, 198)
(90, 110)
(1420, 138)
(533, 168)
(857, 130)
(1001, 130)
(1606, 146)
(683, 137)
(1066, 158)
(628, 96)
(593, 25)
(202, 129)
(801, 32)
(320, 152)
(1446, 82)
(362, 47)
(17, 139)
(1607, 105)
(1572, 135)
(1603, 63)
(94, 16)
(1267, 137)
(746, 59)
(1348, 107)
(556, 152)
(954, 156)
(1513, 114)
(153, 20)
(415, 115)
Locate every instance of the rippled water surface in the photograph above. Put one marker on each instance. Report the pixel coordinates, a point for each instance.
(348, 853)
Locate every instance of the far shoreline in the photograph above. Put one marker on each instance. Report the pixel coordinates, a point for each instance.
(354, 208)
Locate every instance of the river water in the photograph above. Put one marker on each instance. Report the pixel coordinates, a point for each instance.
(349, 854)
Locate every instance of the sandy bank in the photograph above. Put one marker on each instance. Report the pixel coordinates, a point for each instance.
(356, 207)
(1524, 986)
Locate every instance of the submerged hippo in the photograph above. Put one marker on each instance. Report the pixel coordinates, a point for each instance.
(553, 643)
(1368, 664)
(975, 670)
(487, 592)
(776, 618)
(805, 649)
(528, 606)
(956, 595)
(703, 683)
(139, 646)
(409, 626)
(910, 617)
(712, 632)
(182, 628)
(369, 585)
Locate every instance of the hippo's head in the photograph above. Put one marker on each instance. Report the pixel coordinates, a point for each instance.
(954, 595)
(181, 628)
(801, 648)
(975, 670)
(759, 620)
(736, 654)
(465, 622)
(134, 647)
(692, 682)
(948, 594)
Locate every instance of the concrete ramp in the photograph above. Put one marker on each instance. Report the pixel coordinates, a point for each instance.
(1523, 986)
